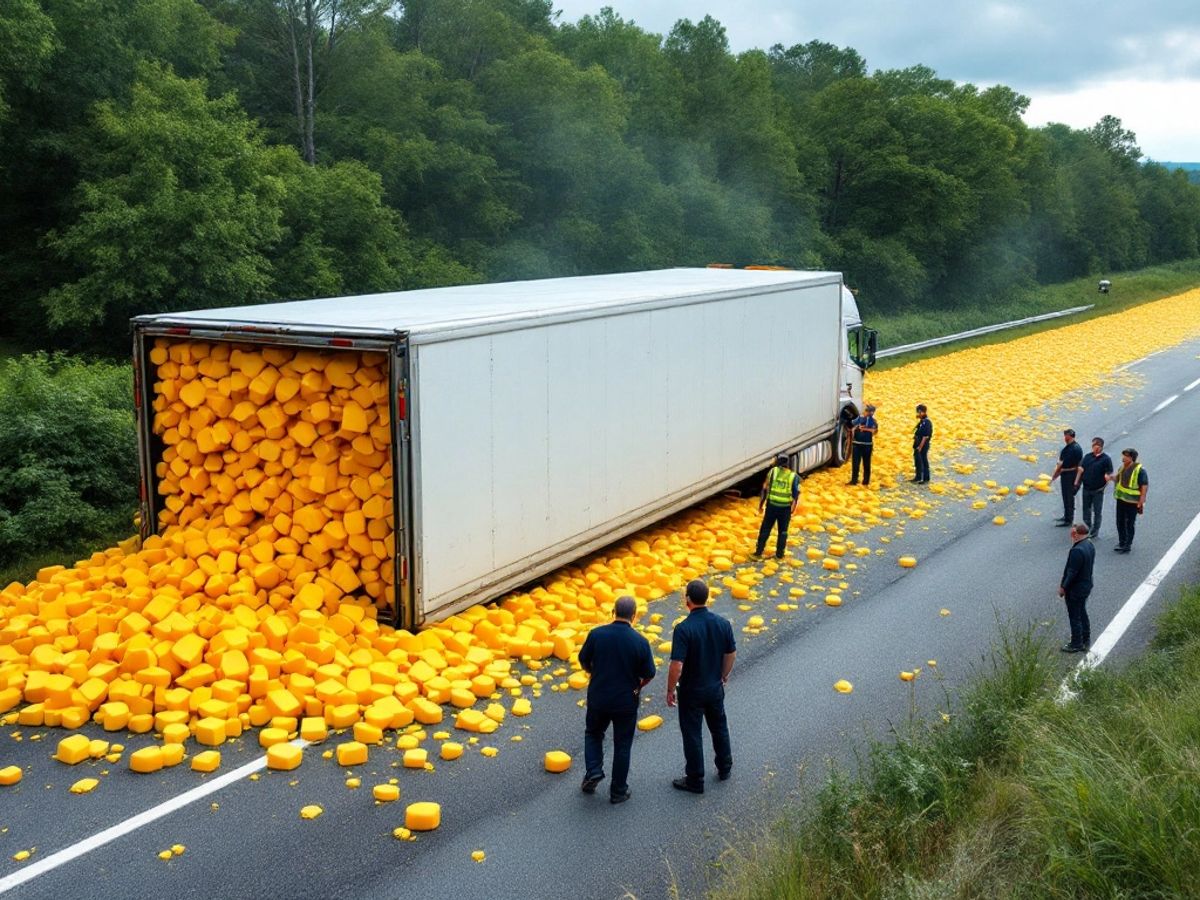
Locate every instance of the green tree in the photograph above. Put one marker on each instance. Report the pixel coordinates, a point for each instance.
(68, 455)
(178, 207)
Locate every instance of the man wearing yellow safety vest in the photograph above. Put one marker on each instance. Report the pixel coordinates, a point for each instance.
(780, 496)
(1131, 488)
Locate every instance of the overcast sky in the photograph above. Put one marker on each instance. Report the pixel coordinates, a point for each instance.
(1138, 60)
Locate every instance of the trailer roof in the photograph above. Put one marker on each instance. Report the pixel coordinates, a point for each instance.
(433, 310)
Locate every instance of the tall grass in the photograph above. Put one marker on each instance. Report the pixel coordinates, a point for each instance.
(1017, 796)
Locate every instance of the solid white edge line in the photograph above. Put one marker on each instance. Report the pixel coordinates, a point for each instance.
(88, 844)
(1138, 362)
(1164, 404)
(1192, 385)
(1127, 613)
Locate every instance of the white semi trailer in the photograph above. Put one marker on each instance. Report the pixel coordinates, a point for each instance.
(536, 421)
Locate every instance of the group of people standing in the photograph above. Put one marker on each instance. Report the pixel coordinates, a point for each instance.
(703, 650)
(1091, 473)
(620, 664)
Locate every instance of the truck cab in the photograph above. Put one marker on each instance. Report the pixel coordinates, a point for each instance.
(859, 344)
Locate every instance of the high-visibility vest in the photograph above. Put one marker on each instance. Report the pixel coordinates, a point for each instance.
(780, 491)
(1129, 490)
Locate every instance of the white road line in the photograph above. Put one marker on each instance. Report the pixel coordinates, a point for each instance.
(1164, 404)
(1138, 362)
(1192, 385)
(87, 845)
(1127, 613)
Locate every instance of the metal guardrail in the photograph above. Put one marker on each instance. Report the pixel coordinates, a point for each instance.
(976, 332)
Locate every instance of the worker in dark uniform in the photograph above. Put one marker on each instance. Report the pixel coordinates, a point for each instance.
(1069, 459)
(780, 497)
(1130, 488)
(1076, 586)
(864, 429)
(621, 664)
(921, 438)
(702, 655)
(1092, 475)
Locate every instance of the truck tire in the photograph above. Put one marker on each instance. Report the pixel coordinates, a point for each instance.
(841, 443)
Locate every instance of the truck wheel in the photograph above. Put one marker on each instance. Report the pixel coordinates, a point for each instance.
(841, 443)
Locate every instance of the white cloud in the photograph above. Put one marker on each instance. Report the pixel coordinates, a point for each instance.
(1158, 112)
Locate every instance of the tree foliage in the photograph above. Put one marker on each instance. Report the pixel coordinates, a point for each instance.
(68, 446)
(163, 154)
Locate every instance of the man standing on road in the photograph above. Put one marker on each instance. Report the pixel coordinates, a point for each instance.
(863, 442)
(780, 496)
(921, 438)
(1075, 586)
(1093, 474)
(1069, 459)
(621, 664)
(1131, 486)
(702, 654)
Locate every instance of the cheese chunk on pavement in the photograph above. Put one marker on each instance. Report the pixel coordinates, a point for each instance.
(84, 785)
(385, 793)
(351, 753)
(649, 723)
(74, 749)
(146, 760)
(206, 761)
(10, 775)
(423, 816)
(415, 758)
(284, 757)
(557, 761)
(450, 750)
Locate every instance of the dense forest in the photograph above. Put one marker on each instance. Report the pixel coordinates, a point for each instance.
(172, 154)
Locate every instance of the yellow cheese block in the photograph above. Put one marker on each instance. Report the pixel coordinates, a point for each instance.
(146, 760)
(74, 749)
(423, 816)
(385, 793)
(843, 686)
(831, 564)
(172, 754)
(649, 723)
(206, 761)
(176, 733)
(415, 758)
(906, 676)
(754, 622)
(521, 707)
(284, 757)
(578, 680)
(84, 785)
(313, 729)
(999, 520)
(10, 775)
(450, 750)
(269, 737)
(311, 811)
(351, 753)
(211, 732)
(833, 599)
(557, 761)
(366, 733)
(907, 562)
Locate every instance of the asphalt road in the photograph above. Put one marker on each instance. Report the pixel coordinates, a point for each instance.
(542, 837)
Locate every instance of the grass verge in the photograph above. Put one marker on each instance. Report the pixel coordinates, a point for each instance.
(1016, 796)
(1128, 289)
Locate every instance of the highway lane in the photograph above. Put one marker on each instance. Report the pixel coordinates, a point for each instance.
(545, 839)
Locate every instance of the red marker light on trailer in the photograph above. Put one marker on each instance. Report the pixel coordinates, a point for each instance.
(401, 407)
(341, 342)
(179, 330)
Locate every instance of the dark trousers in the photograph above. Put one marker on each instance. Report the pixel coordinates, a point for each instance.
(1081, 628)
(921, 463)
(695, 708)
(1067, 483)
(861, 454)
(595, 725)
(1093, 509)
(772, 516)
(1126, 522)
